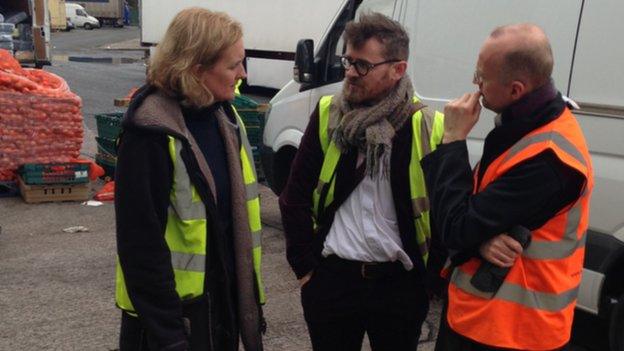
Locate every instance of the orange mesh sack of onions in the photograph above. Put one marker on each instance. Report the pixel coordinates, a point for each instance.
(40, 118)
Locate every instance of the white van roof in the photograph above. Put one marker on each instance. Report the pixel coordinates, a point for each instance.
(71, 4)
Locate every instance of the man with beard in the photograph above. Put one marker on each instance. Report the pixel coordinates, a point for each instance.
(355, 208)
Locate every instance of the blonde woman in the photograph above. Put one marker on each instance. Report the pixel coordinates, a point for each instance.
(188, 221)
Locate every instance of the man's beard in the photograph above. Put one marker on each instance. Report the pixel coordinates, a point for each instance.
(355, 95)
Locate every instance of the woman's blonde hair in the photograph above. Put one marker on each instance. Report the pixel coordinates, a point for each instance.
(195, 36)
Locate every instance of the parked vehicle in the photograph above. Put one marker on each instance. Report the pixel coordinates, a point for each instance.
(108, 12)
(31, 39)
(445, 41)
(269, 47)
(79, 16)
(57, 10)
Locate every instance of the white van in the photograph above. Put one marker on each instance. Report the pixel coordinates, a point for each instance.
(445, 39)
(79, 16)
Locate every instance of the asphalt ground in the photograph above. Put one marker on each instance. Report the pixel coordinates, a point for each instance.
(57, 288)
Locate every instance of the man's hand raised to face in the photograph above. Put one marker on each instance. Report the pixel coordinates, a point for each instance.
(460, 115)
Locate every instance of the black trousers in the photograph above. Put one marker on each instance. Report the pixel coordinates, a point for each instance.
(449, 340)
(340, 305)
(132, 336)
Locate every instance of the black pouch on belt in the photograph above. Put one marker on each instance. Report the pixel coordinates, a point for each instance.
(489, 277)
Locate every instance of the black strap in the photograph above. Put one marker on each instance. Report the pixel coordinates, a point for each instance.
(326, 216)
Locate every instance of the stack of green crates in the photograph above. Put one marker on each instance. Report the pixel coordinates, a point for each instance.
(252, 115)
(55, 173)
(108, 127)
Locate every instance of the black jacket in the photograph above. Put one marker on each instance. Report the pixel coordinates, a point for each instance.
(143, 182)
(529, 194)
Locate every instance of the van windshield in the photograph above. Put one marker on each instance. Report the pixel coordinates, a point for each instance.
(81, 12)
(386, 7)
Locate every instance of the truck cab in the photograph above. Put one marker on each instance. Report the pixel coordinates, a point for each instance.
(445, 40)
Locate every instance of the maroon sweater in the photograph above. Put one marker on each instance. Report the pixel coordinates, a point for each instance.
(303, 245)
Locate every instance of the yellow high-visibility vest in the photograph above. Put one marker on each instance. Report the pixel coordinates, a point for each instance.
(187, 227)
(427, 133)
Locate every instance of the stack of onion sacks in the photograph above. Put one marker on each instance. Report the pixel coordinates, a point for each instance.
(40, 118)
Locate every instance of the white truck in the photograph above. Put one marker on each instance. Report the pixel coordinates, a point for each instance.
(445, 38)
(107, 12)
(271, 30)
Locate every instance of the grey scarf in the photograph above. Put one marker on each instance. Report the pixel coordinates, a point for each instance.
(371, 129)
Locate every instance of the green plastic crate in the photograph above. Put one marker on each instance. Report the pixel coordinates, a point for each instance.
(55, 173)
(109, 124)
(249, 111)
(106, 146)
(108, 163)
(244, 102)
(253, 119)
(254, 134)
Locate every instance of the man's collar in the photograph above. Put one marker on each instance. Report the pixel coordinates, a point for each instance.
(527, 105)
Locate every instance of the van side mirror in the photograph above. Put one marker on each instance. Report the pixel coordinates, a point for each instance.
(304, 62)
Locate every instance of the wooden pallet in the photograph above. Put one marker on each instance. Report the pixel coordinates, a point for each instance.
(53, 192)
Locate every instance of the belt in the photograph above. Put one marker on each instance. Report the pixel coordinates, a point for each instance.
(367, 270)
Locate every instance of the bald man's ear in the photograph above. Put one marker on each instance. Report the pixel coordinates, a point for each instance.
(518, 89)
(398, 70)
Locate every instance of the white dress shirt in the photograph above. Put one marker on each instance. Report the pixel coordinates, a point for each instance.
(365, 227)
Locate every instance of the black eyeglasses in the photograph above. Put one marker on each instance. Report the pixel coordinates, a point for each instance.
(362, 67)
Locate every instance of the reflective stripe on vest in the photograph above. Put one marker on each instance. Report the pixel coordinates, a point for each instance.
(534, 307)
(186, 230)
(427, 133)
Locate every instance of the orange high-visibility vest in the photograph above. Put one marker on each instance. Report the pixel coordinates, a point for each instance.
(534, 307)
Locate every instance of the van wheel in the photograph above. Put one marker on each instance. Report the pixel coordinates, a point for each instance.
(88, 26)
(281, 168)
(616, 336)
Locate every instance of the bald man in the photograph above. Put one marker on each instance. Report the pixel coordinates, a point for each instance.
(535, 172)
